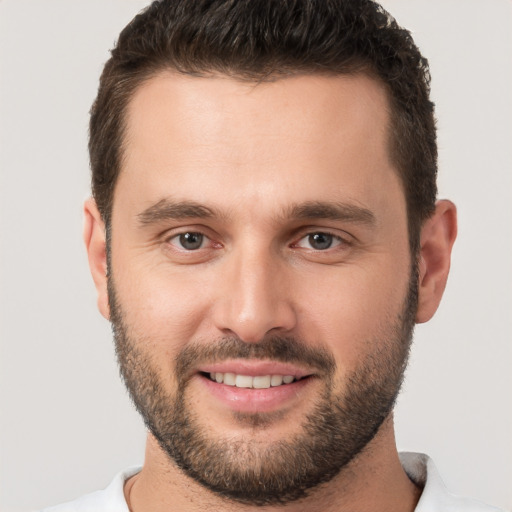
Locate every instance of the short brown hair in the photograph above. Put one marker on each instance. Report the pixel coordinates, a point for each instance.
(260, 40)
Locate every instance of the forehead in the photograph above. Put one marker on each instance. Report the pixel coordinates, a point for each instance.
(306, 107)
(293, 139)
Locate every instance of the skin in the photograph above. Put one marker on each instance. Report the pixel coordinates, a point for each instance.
(250, 153)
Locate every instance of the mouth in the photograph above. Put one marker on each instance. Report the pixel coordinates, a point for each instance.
(252, 382)
(255, 386)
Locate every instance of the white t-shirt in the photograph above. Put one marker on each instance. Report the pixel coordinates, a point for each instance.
(419, 467)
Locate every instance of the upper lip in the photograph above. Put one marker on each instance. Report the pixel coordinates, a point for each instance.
(255, 368)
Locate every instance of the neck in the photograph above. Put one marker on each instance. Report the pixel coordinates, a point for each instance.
(374, 480)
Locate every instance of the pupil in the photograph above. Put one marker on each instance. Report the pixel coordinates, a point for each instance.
(191, 241)
(320, 241)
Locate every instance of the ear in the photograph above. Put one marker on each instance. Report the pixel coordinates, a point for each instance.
(95, 243)
(437, 237)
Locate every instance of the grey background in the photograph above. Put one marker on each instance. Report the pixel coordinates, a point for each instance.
(66, 424)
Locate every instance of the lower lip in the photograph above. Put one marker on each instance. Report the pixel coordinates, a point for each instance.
(256, 400)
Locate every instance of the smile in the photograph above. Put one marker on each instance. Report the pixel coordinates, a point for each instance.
(248, 381)
(255, 386)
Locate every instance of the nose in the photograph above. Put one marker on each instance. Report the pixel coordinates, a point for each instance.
(254, 297)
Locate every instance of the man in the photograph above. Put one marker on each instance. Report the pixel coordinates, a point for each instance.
(264, 235)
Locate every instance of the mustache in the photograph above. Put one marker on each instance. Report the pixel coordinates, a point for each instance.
(275, 348)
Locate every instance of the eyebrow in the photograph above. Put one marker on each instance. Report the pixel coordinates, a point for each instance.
(167, 209)
(331, 210)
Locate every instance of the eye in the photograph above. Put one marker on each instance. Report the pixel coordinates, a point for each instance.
(190, 241)
(319, 241)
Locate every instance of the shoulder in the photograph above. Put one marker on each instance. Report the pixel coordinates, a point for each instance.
(435, 497)
(110, 499)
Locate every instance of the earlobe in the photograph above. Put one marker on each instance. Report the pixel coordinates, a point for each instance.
(437, 237)
(95, 243)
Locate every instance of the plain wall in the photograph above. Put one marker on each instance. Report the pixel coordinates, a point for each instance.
(66, 423)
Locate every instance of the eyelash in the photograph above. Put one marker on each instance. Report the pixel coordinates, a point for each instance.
(333, 239)
(178, 236)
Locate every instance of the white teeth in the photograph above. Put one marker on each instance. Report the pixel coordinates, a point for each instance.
(230, 379)
(276, 380)
(261, 382)
(243, 381)
(246, 381)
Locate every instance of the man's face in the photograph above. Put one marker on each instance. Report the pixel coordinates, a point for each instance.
(259, 234)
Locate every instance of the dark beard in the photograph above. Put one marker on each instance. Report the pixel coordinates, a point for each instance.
(338, 428)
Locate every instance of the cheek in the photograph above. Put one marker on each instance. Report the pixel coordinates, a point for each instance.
(354, 311)
(163, 307)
